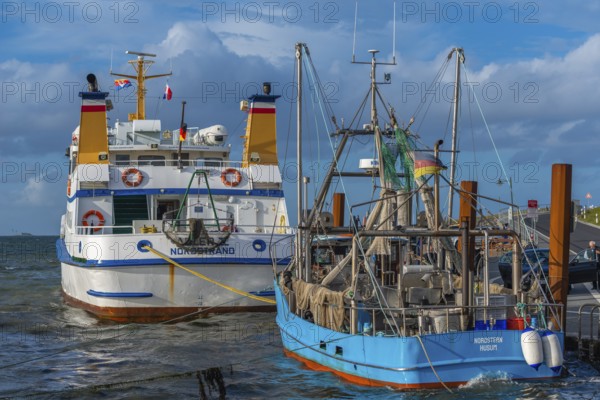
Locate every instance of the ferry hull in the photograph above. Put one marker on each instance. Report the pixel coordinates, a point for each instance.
(403, 362)
(158, 293)
(146, 288)
(157, 314)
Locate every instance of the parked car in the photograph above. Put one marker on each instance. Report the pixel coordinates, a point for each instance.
(581, 268)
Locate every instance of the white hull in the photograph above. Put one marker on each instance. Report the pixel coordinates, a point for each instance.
(138, 286)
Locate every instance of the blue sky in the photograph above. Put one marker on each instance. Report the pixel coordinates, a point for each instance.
(534, 67)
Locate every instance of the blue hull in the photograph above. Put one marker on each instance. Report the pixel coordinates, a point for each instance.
(402, 362)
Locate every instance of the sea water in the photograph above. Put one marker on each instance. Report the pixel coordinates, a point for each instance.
(50, 350)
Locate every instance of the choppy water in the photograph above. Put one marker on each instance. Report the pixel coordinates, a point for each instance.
(50, 350)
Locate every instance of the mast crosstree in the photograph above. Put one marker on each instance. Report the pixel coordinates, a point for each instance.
(141, 66)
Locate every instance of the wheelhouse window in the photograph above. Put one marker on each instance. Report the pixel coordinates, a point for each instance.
(122, 159)
(157, 161)
(209, 162)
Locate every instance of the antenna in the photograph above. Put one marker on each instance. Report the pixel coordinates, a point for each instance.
(373, 52)
(137, 53)
(354, 38)
(394, 36)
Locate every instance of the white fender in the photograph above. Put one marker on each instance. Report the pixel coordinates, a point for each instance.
(531, 345)
(553, 355)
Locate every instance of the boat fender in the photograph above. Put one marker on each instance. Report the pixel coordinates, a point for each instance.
(136, 181)
(287, 279)
(237, 177)
(98, 214)
(553, 355)
(308, 315)
(531, 346)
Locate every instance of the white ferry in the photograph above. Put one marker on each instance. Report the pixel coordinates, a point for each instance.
(160, 224)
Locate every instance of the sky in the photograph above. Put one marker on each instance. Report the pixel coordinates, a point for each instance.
(531, 68)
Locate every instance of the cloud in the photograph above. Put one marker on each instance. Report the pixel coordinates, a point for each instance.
(274, 42)
(535, 87)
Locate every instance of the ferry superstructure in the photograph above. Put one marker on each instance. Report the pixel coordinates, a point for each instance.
(161, 224)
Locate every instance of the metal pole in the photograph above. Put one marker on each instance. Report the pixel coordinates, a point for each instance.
(464, 273)
(182, 127)
(375, 119)
(459, 57)
(354, 311)
(299, 233)
(306, 243)
(436, 187)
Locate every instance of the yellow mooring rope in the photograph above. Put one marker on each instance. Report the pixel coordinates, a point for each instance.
(206, 278)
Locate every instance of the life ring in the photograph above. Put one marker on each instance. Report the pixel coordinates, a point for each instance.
(69, 187)
(135, 182)
(259, 245)
(229, 228)
(98, 215)
(236, 180)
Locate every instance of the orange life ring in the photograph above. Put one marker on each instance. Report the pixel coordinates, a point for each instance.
(229, 228)
(98, 214)
(236, 180)
(69, 187)
(132, 171)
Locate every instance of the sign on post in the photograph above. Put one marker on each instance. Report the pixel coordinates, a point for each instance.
(532, 208)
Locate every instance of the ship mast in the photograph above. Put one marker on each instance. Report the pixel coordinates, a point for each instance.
(460, 58)
(301, 235)
(375, 119)
(141, 66)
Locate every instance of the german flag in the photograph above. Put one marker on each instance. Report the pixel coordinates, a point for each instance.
(426, 163)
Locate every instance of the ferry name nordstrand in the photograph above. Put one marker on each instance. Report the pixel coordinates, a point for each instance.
(158, 227)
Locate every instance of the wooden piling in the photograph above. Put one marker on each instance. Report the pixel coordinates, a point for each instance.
(338, 209)
(560, 214)
(468, 217)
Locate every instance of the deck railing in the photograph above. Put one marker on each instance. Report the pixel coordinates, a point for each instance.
(396, 321)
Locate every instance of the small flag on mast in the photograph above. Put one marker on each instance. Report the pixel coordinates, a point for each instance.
(427, 163)
(182, 132)
(168, 93)
(122, 83)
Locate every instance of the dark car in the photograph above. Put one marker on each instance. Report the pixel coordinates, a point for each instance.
(581, 267)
